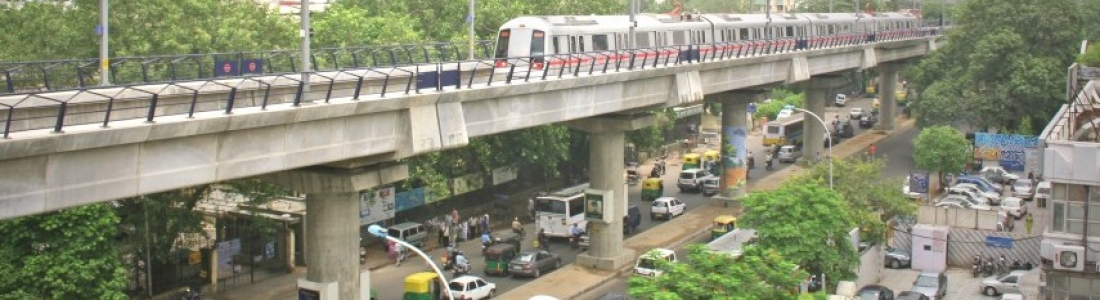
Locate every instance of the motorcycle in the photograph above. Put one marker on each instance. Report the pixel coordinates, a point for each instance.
(1016, 265)
(461, 269)
(190, 294)
(976, 268)
(768, 163)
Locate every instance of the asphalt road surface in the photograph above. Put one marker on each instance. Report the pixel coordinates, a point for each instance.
(388, 281)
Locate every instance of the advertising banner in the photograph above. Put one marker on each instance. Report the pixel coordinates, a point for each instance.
(376, 206)
(1010, 150)
(467, 183)
(734, 156)
(505, 174)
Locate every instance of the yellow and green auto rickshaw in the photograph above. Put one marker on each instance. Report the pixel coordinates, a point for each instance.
(423, 286)
(497, 258)
(691, 161)
(723, 224)
(652, 188)
(712, 155)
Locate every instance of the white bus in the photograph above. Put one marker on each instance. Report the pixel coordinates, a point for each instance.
(557, 212)
(785, 131)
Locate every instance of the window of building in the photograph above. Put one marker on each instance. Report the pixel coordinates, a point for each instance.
(1058, 216)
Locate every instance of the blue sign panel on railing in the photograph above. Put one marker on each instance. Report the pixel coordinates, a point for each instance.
(428, 79)
(224, 68)
(449, 78)
(252, 66)
(918, 181)
(998, 241)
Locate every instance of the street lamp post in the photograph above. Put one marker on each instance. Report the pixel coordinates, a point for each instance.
(829, 136)
(381, 232)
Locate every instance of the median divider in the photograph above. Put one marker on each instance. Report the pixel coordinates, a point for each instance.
(572, 281)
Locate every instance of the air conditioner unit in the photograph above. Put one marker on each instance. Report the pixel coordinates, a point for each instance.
(1068, 257)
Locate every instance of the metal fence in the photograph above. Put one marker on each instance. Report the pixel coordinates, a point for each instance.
(963, 244)
(55, 110)
(36, 76)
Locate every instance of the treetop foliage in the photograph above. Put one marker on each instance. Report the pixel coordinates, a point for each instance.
(756, 274)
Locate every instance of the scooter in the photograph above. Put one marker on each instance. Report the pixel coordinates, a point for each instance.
(768, 164)
(190, 294)
(976, 268)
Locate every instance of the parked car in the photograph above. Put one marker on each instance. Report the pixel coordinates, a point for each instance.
(998, 284)
(841, 100)
(867, 121)
(855, 113)
(998, 174)
(784, 113)
(666, 207)
(969, 195)
(533, 263)
(789, 153)
(410, 232)
(1012, 296)
(897, 258)
(472, 288)
(931, 284)
(843, 130)
(993, 197)
(1042, 191)
(691, 179)
(1023, 188)
(1014, 206)
(875, 292)
(647, 264)
(981, 182)
(1004, 221)
(911, 295)
(960, 202)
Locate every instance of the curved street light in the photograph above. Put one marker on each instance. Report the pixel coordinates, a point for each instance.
(381, 232)
(829, 136)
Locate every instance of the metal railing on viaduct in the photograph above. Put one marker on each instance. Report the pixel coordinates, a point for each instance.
(382, 75)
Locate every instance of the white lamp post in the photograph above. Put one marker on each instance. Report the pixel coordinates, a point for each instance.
(381, 232)
(828, 136)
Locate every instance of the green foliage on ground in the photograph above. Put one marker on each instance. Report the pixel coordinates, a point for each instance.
(806, 223)
(1091, 57)
(941, 149)
(756, 274)
(66, 254)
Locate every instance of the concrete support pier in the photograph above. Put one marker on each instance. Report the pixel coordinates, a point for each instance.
(735, 130)
(607, 140)
(887, 87)
(813, 134)
(332, 223)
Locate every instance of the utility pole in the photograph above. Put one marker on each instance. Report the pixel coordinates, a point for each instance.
(470, 19)
(830, 6)
(632, 6)
(305, 33)
(104, 61)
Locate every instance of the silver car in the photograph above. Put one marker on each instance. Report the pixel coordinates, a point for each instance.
(789, 153)
(1023, 188)
(996, 285)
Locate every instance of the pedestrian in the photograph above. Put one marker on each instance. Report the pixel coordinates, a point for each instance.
(400, 253)
(485, 223)
(391, 250)
(1031, 175)
(446, 234)
(531, 207)
(442, 238)
(871, 150)
(817, 157)
(454, 216)
(543, 240)
(1029, 222)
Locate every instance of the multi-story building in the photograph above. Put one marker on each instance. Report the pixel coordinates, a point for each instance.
(1071, 162)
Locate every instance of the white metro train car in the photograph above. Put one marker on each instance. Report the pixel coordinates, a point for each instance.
(534, 39)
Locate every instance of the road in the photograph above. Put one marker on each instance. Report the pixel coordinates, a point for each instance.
(896, 149)
(389, 280)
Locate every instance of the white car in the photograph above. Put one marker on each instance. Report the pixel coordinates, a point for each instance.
(993, 197)
(856, 113)
(969, 195)
(841, 99)
(1023, 188)
(666, 207)
(998, 174)
(960, 202)
(784, 113)
(1014, 206)
(647, 264)
(472, 288)
(995, 285)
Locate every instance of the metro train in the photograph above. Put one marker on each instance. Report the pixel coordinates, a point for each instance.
(538, 38)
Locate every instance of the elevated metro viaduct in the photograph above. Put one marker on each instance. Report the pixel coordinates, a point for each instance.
(345, 140)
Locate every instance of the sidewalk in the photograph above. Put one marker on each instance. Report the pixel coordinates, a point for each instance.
(572, 281)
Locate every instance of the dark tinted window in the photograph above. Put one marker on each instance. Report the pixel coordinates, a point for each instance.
(538, 43)
(502, 43)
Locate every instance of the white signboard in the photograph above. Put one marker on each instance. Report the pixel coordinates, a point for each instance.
(377, 206)
(504, 174)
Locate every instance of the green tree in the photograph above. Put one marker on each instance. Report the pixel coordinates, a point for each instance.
(941, 149)
(66, 254)
(345, 25)
(872, 198)
(1002, 58)
(757, 273)
(806, 223)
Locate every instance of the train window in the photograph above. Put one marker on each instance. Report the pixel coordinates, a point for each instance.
(642, 40)
(790, 31)
(573, 44)
(599, 42)
(502, 43)
(538, 43)
(554, 44)
(744, 34)
(680, 37)
(581, 45)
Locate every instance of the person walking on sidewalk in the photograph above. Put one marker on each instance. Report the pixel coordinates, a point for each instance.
(1029, 222)
(871, 150)
(517, 227)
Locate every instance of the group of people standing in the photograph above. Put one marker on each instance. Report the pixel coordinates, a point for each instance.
(454, 229)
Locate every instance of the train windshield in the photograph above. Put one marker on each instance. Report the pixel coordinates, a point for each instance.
(502, 43)
(538, 43)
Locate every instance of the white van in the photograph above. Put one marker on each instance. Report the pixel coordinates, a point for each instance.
(647, 263)
(841, 100)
